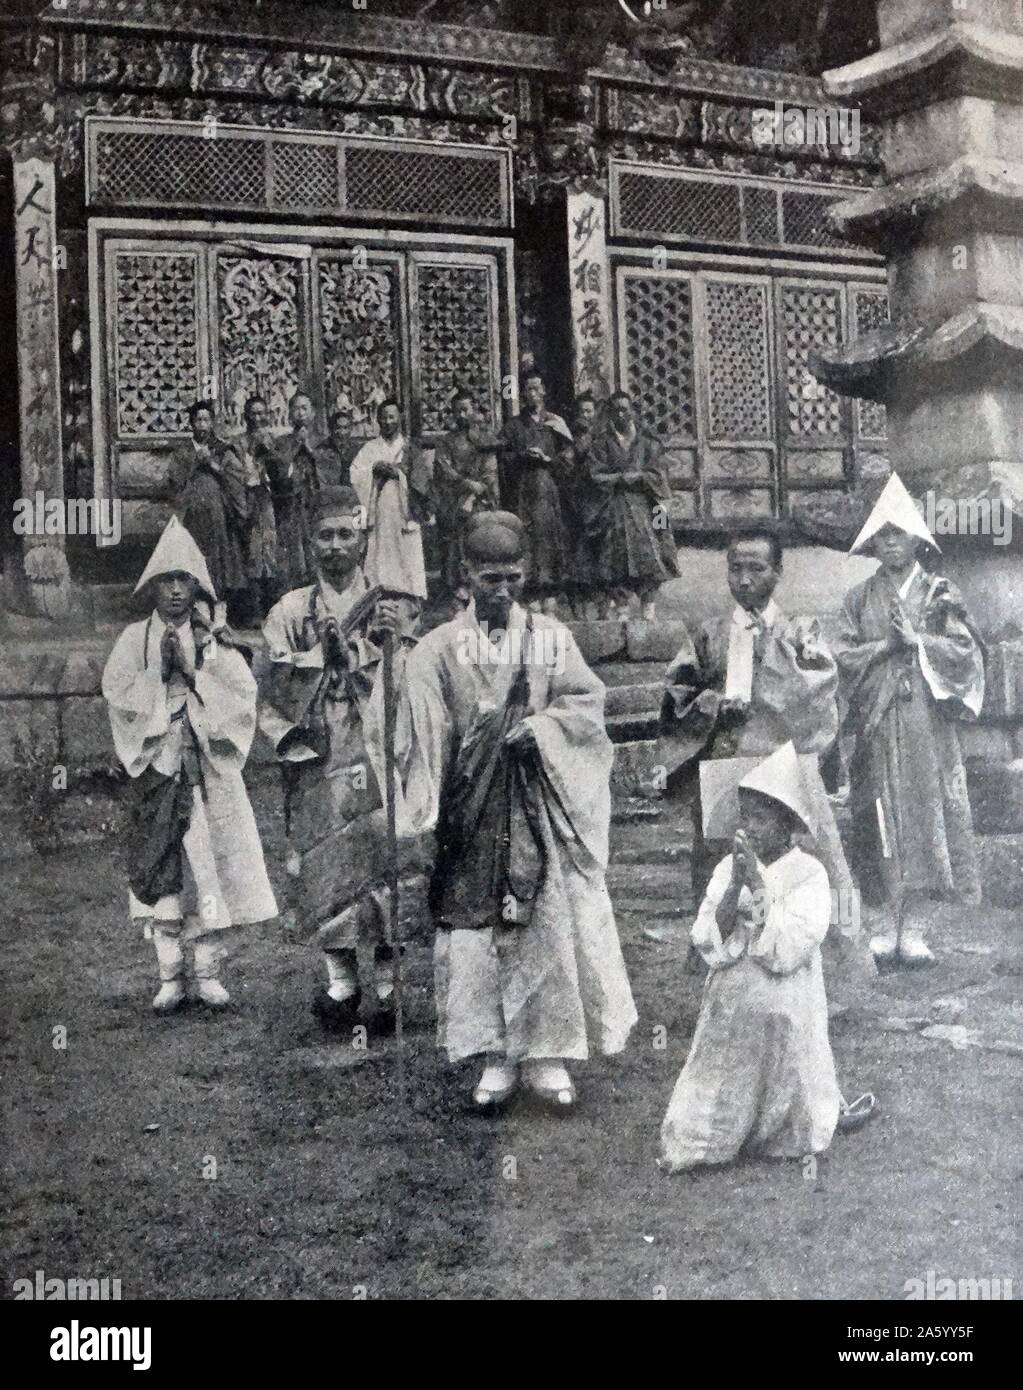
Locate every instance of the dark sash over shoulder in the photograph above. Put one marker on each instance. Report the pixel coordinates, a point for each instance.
(160, 814)
(491, 859)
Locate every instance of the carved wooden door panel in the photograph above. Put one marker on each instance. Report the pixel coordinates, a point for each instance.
(657, 346)
(360, 332)
(224, 320)
(869, 310)
(260, 315)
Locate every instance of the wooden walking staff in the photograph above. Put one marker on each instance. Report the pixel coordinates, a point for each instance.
(393, 927)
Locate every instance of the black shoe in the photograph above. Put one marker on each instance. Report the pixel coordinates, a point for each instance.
(335, 1016)
(383, 1022)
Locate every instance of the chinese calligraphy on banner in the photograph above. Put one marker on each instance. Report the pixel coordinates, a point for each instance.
(587, 249)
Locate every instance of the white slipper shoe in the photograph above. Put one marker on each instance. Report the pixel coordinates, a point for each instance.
(551, 1082)
(496, 1085)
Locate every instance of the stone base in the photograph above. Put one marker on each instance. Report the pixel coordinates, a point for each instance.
(599, 641)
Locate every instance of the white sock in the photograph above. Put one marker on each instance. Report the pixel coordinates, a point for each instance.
(343, 982)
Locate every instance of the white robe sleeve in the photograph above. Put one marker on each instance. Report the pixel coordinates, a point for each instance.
(706, 934)
(576, 751)
(286, 665)
(222, 708)
(136, 701)
(361, 474)
(422, 737)
(796, 914)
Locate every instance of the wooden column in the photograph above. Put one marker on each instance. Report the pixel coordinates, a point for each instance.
(30, 133)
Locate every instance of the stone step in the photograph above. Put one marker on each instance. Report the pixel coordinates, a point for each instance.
(615, 640)
(996, 796)
(649, 881)
(616, 673)
(674, 852)
(632, 769)
(1001, 866)
(658, 909)
(632, 728)
(635, 811)
(641, 698)
(600, 641)
(657, 641)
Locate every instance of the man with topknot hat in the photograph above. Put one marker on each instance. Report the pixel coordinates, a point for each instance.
(182, 705)
(911, 667)
(501, 748)
(322, 662)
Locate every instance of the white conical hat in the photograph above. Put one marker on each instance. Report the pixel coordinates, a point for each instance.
(780, 778)
(894, 507)
(721, 778)
(176, 550)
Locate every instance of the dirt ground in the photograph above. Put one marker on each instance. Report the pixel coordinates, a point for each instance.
(326, 1187)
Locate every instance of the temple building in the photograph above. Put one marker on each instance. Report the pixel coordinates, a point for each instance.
(376, 197)
(791, 231)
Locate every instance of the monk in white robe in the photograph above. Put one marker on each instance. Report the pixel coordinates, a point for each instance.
(502, 748)
(760, 1076)
(182, 705)
(387, 475)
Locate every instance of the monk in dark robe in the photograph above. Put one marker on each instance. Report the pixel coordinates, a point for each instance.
(259, 466)
(302, 470)
(207, 493)
(534, 450)
(340, 449)
(585, 587)
(912, 666)
(626, 511)
(465, 481)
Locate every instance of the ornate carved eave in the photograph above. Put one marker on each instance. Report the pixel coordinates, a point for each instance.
(965, 58)
(332, 29)
(985, 193)
(893, 362)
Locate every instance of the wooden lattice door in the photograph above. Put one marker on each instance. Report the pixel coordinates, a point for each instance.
(717, 363)
(226, 319)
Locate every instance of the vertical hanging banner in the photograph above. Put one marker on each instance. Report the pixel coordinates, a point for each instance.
(588, 280)
(37, 259)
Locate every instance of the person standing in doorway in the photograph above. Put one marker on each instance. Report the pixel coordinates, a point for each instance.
(386, 475)
(535, 447)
